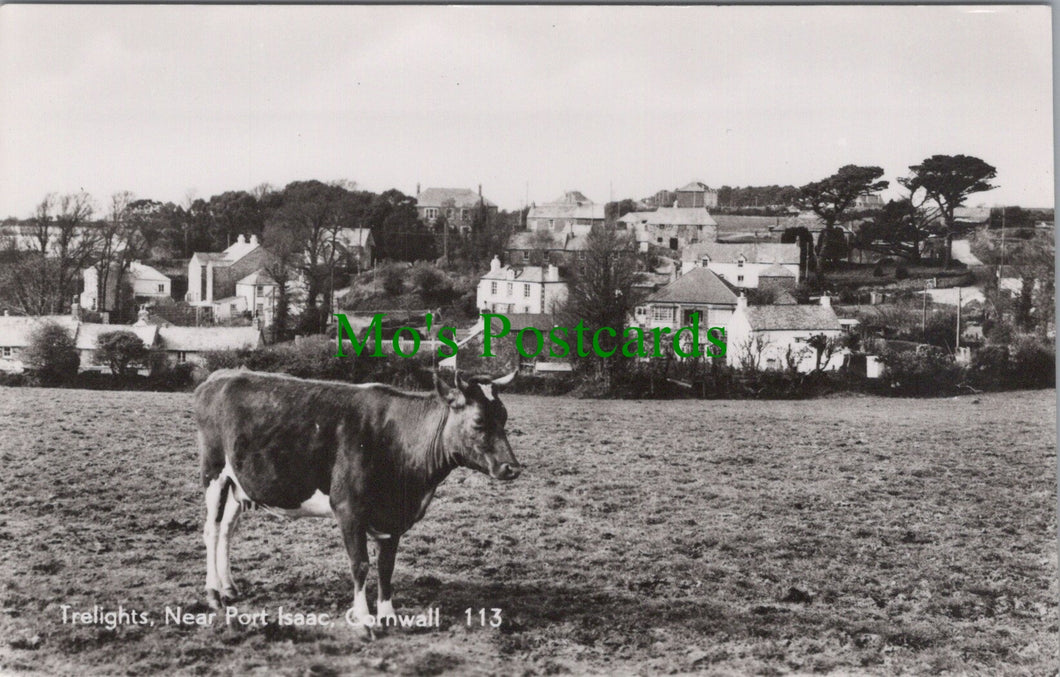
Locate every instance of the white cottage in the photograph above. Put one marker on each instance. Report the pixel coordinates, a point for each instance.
(525, 289)
(779, 336)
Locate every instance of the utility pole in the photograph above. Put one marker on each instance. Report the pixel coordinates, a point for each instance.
(957, 341)
(923, 318)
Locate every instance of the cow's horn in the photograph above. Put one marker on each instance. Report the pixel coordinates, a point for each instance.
(506, 379)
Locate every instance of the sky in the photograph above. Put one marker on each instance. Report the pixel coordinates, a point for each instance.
(172, 102)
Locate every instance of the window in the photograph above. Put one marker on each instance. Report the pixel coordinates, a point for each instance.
(493, 288)
(430, 213)
(739, 278)
(162, 289)
(6, 351)
(526, 309)
(662, 313)
(739, 263)
(641, 311)
(182, 356)
(257, 310)
(526, 256)
(261, 290)
(508, 289)
(526, 291)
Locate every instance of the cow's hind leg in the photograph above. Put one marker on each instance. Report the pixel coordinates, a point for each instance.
(213, 460)
(226, 527)
(355, 537)
(387, 555)
(214, 505)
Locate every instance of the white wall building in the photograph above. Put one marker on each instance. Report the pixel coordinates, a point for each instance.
(698, 291)
(748, 265)
(147, 283)
(526, 289)
(777, 336)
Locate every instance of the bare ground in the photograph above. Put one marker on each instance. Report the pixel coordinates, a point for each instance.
(852, 535)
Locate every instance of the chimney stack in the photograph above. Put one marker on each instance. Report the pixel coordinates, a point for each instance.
(741, 301)
(253, 239)
(75, 309)
(241, 239)
(417, 189)
(495, 264)
(826, 300)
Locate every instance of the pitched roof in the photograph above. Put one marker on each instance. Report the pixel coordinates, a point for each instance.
(699, 285)
(534, 239)
(357, 237)
(142, 271)
(671, 216)
(571, 205)
(795, 318)
(259, 277)
(776, 270)
(440, 197)
(518, 274)
(15, 330)
(695, 186)
(752, 252)
(199, 339)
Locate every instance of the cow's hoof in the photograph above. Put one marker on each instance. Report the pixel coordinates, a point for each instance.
(364, 630)
(229, 597)
(213, 598)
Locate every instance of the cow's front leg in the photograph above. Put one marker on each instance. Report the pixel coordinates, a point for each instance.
(387, 555)
(355, 537)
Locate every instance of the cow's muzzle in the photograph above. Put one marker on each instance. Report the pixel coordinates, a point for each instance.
(506, 471)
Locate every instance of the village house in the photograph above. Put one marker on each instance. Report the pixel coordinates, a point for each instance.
(456, 204)
(16, 332)
(696, 194)
(146, 283)
(212, 278)
(571, 213)
(541, 248)
(697, 291)
(260, 294)
(674, 228)
(779, 336)
(750, 265)
(520, 289)
(189, 344)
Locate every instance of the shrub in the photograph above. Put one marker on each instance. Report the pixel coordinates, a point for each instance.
(1033, 363)
(434, 285)
(121, 350)
(922, 372)
(393, 278)
(901, 271)
(51, 356)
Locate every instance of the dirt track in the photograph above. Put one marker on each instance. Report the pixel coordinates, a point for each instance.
(855, 535)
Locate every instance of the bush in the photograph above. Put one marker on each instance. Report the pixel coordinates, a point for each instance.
(1033, 364)
(901, 271)
(121, 350)
(51, 356)
(434, 285)
(921, 372)
(393, 278)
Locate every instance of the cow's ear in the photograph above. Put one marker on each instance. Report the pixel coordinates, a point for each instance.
(502, 381)
(452, 396)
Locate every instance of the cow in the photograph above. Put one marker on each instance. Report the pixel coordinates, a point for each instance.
(370, 455)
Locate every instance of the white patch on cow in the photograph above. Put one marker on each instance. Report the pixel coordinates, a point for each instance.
(385, 609)
(229, 518)
(209, 533)
(487, 391)
(377, 535)
(360, 605)
(317, 505)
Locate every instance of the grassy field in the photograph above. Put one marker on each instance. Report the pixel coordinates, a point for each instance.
(855, 535)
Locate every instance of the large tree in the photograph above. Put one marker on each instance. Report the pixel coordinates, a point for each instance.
(948, 180)
(832, 198)
(602, 294)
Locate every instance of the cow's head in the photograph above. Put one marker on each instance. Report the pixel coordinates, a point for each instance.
(475, 434)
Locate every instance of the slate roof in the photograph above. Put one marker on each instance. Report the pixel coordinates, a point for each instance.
(752, 252)
(694, 187)
(439, 197)
(522, 274)
(699, 285)
(199, 339)
(259, 277)
(16, 329)
(793, 318)
(529, 239)
(776, 270)
(671, 216)
(571, 205)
